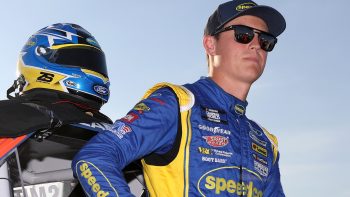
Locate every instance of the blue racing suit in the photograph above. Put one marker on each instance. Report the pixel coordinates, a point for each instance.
(194, 140)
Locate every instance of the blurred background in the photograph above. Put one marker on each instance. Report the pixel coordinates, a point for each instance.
(303, 96)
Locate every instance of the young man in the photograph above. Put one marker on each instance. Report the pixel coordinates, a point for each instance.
(195, 140)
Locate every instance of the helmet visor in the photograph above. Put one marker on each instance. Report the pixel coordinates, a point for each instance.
(84, 57)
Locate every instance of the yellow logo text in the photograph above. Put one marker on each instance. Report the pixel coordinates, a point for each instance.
(245, 6)
(259, 149)
(222, 185)
(91, 180)
(205, 151)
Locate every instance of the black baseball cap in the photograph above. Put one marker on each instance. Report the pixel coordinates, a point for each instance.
(233, 9)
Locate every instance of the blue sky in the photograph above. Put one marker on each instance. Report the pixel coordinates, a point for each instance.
(303, 96)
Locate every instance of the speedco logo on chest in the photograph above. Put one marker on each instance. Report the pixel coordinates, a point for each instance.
(224, 182)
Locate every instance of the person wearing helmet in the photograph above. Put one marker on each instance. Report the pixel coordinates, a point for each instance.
(195, 139)
(62, 79)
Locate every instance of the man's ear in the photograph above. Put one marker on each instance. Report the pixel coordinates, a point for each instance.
(209, 43)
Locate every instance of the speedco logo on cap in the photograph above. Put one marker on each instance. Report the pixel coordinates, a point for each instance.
(87, 175)
(220, 182)
(245, 6)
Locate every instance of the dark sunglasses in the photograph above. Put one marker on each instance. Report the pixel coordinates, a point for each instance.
(245, 34)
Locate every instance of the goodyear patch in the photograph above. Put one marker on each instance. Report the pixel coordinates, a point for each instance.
(259, 149)
(94, 180)
(215, 130)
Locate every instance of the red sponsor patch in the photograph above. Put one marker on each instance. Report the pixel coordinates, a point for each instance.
(216, 140)
(130, 117)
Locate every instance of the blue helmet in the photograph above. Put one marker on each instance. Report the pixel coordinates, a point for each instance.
(64, 57)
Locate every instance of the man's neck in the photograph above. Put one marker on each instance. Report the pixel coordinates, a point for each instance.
(236, 88)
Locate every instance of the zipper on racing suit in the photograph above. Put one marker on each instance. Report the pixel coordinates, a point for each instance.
(242, 141)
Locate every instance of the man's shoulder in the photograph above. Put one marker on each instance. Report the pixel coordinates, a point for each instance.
(184, 96)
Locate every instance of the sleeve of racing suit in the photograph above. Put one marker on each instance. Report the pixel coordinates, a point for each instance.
(274, 186)
(151, 126)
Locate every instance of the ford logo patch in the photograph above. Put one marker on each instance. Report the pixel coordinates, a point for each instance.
(101, 90)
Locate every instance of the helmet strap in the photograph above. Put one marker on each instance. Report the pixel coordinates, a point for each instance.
(18, 84)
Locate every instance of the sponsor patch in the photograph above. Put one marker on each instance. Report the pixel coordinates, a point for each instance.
(212, 151)
(259, 149)
(205, 151)
(213, 115)
(256, 139)
(259, 159)
(120, 129)
(222, 153)
(141, 107)
(213, 159)
(220, 182)
(216, 140)
(87, 173)
(245, 6)
(239, 109)
(254, 130)
(130, 117)
(261, 168)
(215, 130)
